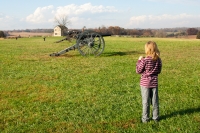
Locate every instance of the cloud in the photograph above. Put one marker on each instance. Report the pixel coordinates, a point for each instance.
(80, 15)
(77, 14)
(165, 20)
(6, 21)
(74, 10)
(5, 18)
(43, 17)
(40, 15)
(44, 14)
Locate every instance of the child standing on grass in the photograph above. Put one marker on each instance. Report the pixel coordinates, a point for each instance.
(149, 67)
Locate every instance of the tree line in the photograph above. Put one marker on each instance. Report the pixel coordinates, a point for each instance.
(116, 30)
(165, 32)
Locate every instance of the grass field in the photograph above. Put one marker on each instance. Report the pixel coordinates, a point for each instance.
(72, 93)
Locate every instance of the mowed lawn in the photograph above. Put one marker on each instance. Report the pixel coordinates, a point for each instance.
(72, 93)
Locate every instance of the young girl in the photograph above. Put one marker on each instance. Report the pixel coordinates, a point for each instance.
(149, 67)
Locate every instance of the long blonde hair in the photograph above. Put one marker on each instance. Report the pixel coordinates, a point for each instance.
(151, 49)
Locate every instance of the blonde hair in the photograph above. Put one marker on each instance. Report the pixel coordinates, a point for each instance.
(151, 49)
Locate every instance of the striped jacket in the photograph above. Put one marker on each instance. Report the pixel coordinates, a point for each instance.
(149, 71)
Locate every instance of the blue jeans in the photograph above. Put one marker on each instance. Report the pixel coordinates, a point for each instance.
(149, 95)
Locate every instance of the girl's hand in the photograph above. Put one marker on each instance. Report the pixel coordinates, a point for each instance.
(141, 57)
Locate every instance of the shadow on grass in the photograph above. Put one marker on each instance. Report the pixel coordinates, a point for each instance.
(104, 54)
(107, 54)
(181, 112)
(67, 55)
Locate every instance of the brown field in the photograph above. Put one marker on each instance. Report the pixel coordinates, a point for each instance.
(186, 37)
(191, 36)
(27, 34)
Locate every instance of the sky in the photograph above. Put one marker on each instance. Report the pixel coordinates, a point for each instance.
(128, 14)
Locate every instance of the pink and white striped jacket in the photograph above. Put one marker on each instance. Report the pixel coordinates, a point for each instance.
(149, 71)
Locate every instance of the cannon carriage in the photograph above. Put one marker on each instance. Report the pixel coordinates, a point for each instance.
(86, 42)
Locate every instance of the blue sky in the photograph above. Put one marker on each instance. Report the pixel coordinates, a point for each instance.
(33, 14)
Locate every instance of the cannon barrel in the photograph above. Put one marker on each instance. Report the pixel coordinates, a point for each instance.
(105, 35)
(83, 36)
(78, 32)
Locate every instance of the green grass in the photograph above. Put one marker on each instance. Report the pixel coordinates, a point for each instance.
(72, 93)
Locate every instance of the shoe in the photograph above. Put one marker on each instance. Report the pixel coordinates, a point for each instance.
(144, 121)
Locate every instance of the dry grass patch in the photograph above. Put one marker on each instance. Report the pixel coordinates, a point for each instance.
(28, 34)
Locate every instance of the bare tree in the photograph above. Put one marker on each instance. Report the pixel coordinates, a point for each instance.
(62, 20)
(147, 32)
(160, 33)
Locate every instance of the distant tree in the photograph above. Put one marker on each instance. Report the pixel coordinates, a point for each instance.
(63, 22)
(111, 29)
(117, 30)
(27, 30)
(170, 35)
(192, 31)
(123, 31)
(147, 33)
(160, 33)
(179, 34)
(198, 35)
(2, 34)
(102, 30)
(135, 32)
(127, 31)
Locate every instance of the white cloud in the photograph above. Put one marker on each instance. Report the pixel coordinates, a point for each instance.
(5, 18)
(165, 20)
(72, 9)
(77, 14)
(86, 14)
(41, 15)
(6, 21)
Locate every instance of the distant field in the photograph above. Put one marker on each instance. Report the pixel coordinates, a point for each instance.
(189, 37)
(72, 93)
(28, 34)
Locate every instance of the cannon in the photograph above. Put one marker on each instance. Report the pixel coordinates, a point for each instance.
(87, 42)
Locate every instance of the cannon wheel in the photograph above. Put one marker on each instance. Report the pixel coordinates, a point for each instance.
(90, 44)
